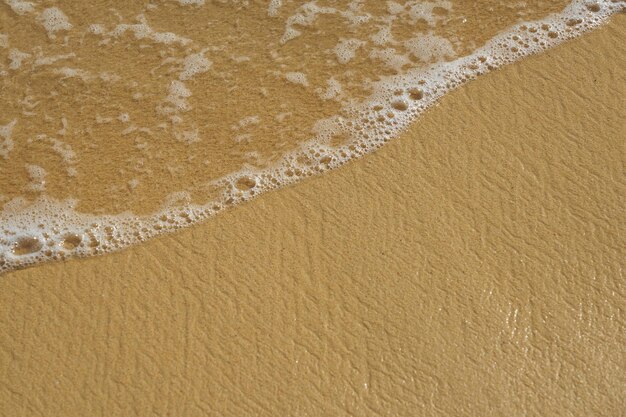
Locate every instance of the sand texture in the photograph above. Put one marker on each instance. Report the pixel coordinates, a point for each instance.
(474, 266)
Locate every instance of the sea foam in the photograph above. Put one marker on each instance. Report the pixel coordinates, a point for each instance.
(49, 228)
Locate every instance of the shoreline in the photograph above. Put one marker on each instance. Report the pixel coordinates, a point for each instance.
(471, 266)
(50, 229)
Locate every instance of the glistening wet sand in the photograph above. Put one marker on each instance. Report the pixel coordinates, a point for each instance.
(472, 267)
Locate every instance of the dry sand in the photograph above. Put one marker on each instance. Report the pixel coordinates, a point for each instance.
(474, 266)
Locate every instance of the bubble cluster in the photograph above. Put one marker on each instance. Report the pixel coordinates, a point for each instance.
(54, 20)
(50, 229)
(6, 140)
(346, 49)
(274, 7)
(194, 64)
(191, 2)
(141, 30)
(297, 78)
(20, 7)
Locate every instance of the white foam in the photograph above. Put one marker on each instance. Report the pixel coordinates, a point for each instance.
(430, 47)
(354, 15)
(177, 95)
(134, 183)
(193, 65)
(297, 78)
(20, 7)
(425, 10)
(68, 72)
(54, 20)
(17, 57)
(346, 49)
(142, 30)
(62, 149)
(281, 117)
(247, 121)
(188, 136)
(103, 120)
(333, 90)
(273, 7)
(308, 13)
(109, 77)
(304, 16)
(383, 36)
(191, 2)
(49, 60)
(395, 102)
(244, 138)
(37, 177)
(64, 127)
(240, 59)
(6, 145)
(395, 8)
(391, 58)
(97, 29)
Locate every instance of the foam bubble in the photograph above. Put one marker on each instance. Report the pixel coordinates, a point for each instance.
(54, 20)
(391, 58)
(62, 149)
(6, 145)
(333, 90)
(304, 16)
(193, 65)
(143, 30)
(188, 136)
(17, 57)
(247, 121)
(273, 7)
(68, 72)
(97, 29)
(20, 7)
(178, 93)
(37, 178)
(191, 2)
(383, 36)
(297, 78)
(430, 47)
(49, 60)
(425, 10)
(346, 49)
(395, 8)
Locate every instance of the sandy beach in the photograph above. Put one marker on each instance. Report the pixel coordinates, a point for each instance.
(473, 266)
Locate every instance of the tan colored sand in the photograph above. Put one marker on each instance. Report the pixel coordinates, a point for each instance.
(473, 267)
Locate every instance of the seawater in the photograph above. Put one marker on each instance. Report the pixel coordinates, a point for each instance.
(123, 120)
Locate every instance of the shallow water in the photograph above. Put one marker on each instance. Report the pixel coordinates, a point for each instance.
(122, 121)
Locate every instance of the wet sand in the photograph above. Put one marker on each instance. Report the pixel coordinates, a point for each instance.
(473, 266)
